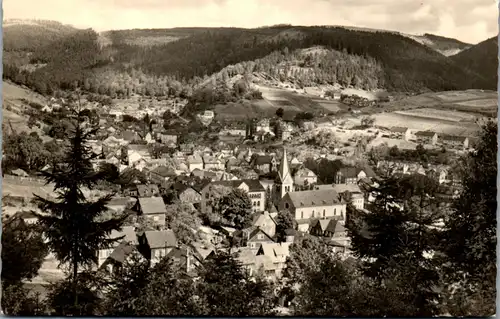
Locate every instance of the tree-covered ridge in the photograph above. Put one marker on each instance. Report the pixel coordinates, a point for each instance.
(481, 59)
(407, 65)
(32, 35)
(313, 66)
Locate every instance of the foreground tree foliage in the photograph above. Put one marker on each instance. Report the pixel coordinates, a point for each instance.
(397, 239)
(469, 240)
(23, 251)
(225, 289)
(72, 228)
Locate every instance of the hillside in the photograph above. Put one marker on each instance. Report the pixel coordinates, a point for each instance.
(29, 35)
(482, 59)
(171, 59)
(443, 45)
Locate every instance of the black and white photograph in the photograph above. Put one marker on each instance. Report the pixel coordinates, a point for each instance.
(249, 158)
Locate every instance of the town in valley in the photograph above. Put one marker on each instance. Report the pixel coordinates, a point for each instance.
(273, 171)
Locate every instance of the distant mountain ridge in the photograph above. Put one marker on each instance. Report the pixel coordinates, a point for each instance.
(408, 63)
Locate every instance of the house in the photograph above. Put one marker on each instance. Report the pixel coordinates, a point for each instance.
(254, 189)
(455, 141)
(149, 190)
(426, 137)
(194, 162)
(264, 221)
(153, 208)
(307, 205)
(167, 138)
(327, 228)
(187, 194)
(161, 174)
(263, 125)
(264, 163)
(401, 132)
(124, 252)
(305, 176)
(129, 236)
(156, 244)
(254, 237)
(277, 254)
(212, 163)
(130, 136)
(349, 175)
(349, 192)
(119, 204)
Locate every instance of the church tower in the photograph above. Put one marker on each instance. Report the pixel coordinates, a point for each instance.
(284, 184)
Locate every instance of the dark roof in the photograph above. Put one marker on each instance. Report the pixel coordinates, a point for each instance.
(129, 135)
(314, 198)
(164, 171)
(160, 238)
(143, 190)
(122, 251)
(253, 184)
(425, 133)
(262, 159)
(349, 172)
(152, 205)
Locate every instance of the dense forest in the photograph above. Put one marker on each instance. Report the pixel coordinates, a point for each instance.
(375, 59)
(481, 59)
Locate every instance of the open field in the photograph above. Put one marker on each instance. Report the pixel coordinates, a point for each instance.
(274, 98)
(423, 123)
(454, 116)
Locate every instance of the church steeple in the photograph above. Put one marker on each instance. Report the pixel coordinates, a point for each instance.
(285, 183)
(284, 171)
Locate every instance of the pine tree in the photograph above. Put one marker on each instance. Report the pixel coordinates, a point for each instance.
(396, 237)
(72, 228)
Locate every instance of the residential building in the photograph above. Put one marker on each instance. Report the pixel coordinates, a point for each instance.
(167, 138)
(264, 221)
(156, 244)
(148, 190)
(194, 162)
(349, 192)
(455, 141)
(129, 237)
(349, 175)
(152, 208)
(307, 205)
(187, 194)
(161, 174)
(119, 256)
(254, 189)
(253, 237)
(119, 204)
(304, 177)
(401, 132)
(277, 254)
(426, 137)
(212, 163)
(264, 163)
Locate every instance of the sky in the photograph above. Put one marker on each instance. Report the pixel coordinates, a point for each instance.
(471, 21)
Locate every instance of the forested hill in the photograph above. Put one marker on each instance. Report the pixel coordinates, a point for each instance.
(482, 59)
(29, 35)
(188, 54)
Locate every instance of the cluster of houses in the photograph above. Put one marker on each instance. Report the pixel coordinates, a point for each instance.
(432, 138)
(319, 210)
